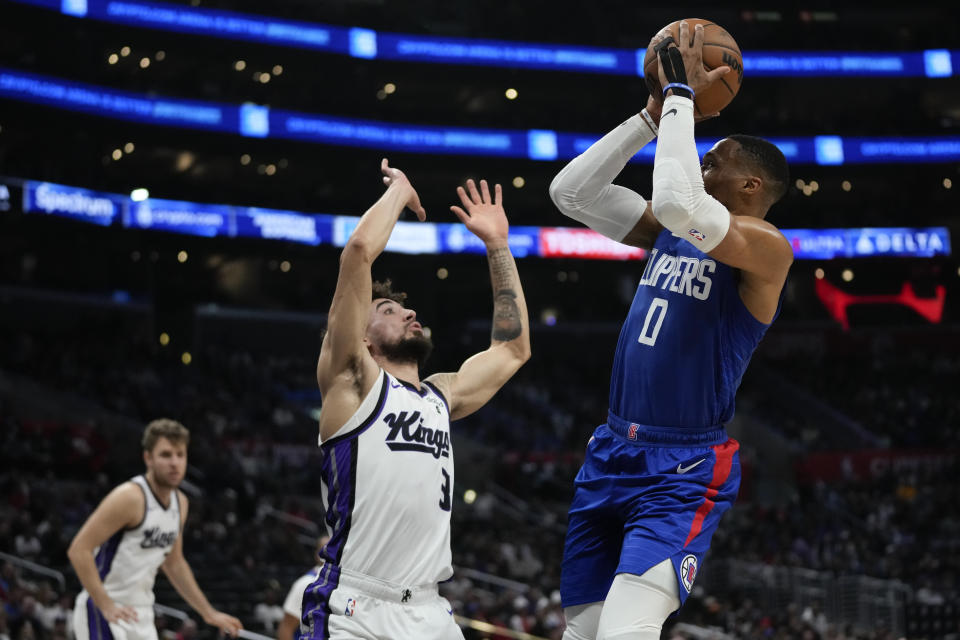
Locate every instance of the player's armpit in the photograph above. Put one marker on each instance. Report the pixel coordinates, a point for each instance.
(478, 379)
(644, 233)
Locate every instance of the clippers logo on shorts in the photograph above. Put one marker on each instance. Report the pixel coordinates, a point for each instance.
(154, 538)
(351, 605)
(422, 439)
(632, 432)
(688, 571)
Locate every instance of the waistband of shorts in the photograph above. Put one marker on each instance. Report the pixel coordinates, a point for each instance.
(651, 435)
(389, 591)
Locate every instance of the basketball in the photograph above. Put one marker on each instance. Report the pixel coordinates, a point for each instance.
(719, 48)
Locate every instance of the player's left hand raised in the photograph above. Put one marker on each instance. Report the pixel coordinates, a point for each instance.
(481, 214)
(225, 622)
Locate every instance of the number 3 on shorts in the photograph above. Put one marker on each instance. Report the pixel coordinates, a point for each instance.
(658, 308)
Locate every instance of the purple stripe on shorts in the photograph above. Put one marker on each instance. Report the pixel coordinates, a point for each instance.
(97, 625)
(315, 617)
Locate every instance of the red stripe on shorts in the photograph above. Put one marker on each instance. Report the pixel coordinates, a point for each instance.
(721, 471)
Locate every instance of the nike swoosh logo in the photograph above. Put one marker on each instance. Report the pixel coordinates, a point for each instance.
(683, 469)
(395, 386)
(450, 611)
(674, 110)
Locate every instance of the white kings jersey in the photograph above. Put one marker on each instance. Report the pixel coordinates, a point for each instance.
(129, 560)
(387, 485)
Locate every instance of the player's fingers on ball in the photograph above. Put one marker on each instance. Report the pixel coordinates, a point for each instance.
(698, 37)
(684, 30)
(485, 191)
(719, 72)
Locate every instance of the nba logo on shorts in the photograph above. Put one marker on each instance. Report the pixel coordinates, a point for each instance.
(632, 431)
(688, 571)
(351, 603)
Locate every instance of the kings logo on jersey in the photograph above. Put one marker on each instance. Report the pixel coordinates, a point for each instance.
(154, 537)
(404, 437)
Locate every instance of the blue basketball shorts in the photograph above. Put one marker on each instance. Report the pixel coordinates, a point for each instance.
(637, 504)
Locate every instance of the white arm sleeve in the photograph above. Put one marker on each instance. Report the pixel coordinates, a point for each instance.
(680, 202)
(583, 190)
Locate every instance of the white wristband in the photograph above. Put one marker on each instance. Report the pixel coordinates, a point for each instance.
(650, 123)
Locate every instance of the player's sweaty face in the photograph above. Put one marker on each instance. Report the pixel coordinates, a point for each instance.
(168, 461)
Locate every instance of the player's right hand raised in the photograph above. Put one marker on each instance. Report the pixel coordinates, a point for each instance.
(698, 77)
(114, 612)
(396, 178)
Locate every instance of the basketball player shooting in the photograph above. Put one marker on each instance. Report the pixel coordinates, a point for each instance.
(387, 470)
(661, 472)
(136, 530)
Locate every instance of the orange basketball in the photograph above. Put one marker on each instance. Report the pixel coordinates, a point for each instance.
(719, 48)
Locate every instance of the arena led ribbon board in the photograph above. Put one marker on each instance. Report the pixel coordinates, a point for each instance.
(259, 121)
(365, 43)
(212, 220)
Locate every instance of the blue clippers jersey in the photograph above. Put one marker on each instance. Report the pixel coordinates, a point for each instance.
(686, 342)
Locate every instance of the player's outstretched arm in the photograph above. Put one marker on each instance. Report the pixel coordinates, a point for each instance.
(123, 508)
(343, 353)
(482, 375)
(178, 571)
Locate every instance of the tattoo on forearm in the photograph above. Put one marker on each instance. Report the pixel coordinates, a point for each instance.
(507, 323)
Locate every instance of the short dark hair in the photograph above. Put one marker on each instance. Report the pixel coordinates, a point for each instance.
(164, 428)
(764, 156)
(384, 290)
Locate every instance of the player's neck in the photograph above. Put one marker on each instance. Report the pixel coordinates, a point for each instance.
(407, 371)
(162, 492)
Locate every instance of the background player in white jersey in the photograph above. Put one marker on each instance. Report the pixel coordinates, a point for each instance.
(288, 629)
(660, 473)
(133, 532)
(387, 473)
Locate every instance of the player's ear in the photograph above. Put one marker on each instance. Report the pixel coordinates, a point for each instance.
(752, 185)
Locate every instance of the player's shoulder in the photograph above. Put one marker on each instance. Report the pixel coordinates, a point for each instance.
(183, 502)
(764, 231)
(123, 506)
(128, 492)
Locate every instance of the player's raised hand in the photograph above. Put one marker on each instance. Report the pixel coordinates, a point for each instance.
(396, 178)
(481, 214)
(697, 77)
(225, 622)
(114, 612)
